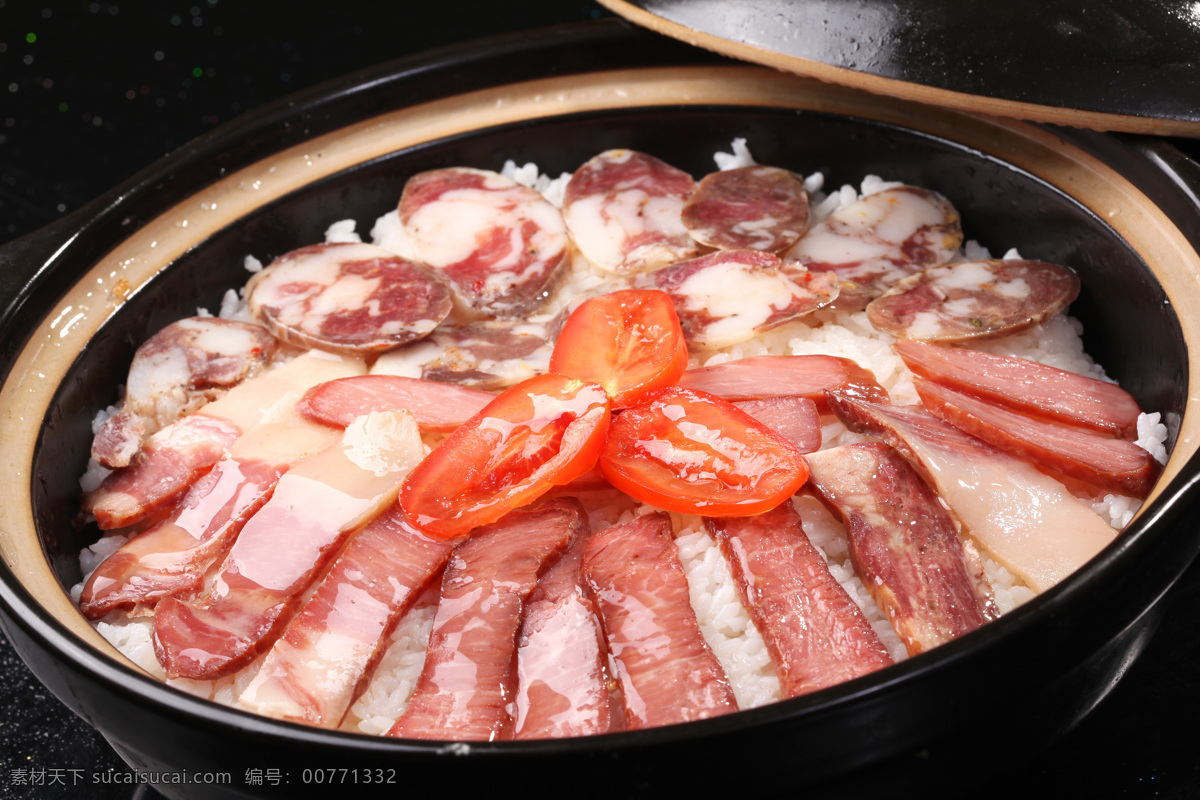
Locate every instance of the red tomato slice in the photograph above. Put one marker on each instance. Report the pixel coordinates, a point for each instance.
(689, 451)
(629, 342)
(542, 432)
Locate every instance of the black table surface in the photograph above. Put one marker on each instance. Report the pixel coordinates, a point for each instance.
(92, 92)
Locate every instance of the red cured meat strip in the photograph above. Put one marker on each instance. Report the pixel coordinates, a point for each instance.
(171, 461)
(775, 376)
(562, 674)
(903, 544)
(1026, 386)
(172, 557)
(666, 670)
(756, 208)
(438, 407)
(1101, 461)
(467, 683)
(312, 671)
(794, 418)
(815, 633)
(974, 300)
(732, 295)
(623, 211)
(501, 245)
(350, 298)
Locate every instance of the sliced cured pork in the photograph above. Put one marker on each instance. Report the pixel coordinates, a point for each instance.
(438, 407)
(501, 245)
(753, 208)
(1110, 464)
(467, 684)
(313, 670)
(178, 370)
(1021, 517)
(794, 418)
(729, 296)
(1026, 386)
(903, 544)
(974, 300)
(481, 355)
(873, 243)
(665, 669)
(761, 377)
(350, 298)
(623, 210)
(815, 633)
(315, 506)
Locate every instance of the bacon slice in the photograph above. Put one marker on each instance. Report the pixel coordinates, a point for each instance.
(350, 298)
(1114, 465)
(815, 633)
(974, 300)
(623, 210)
(730, 296)
(313, 671)
(467, 683)
(562, 675)
(283, 547)
(794, 418)
(501, 245)
(480, 355)
(755, 208)
(178, 370)
(886, 236)
(666, 670)
(761, 377)
(1023, 518)
(903, 544)
(1026, 386)
(438, 407)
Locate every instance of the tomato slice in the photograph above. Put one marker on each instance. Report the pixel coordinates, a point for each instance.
(542, 432)
(629, 342)
(688, 451)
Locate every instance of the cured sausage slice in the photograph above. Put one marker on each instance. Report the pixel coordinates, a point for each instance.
(753, 208)
(974, 300)
(761, 377)
(886, 236)
(485, 355)
(501, 245)
(623, 210)
(438, 407)
(730, 296)
(178, 370)
(794, 418)
(350, 298)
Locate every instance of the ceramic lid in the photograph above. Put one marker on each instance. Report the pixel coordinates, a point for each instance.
(1119, 65)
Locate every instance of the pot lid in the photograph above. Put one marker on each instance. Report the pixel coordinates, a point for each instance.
(1120, 65)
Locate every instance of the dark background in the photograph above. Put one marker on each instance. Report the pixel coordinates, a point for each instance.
(92, 92)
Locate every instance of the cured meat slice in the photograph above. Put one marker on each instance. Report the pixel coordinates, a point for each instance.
(350, 298)
(623, 210)
(467, 683)
(501, 245)
(974, 300)
(730, 296)
(171, 461)
(1021, 517)
(761, 377)
(283, 547)
(312, 672)
(438, 407)
(666, 671)
(562, 673)
(794, 418)
(815, 634)
(1026, 386)
(755, 208)
(873, 243)
(176, 371)
(1114, 465)
(903, 544)
(479, 355)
